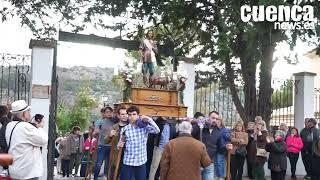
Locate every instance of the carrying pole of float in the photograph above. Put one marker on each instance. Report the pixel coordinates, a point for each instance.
(111, 159)
(116, 172)
(228, 165)
(229, 147)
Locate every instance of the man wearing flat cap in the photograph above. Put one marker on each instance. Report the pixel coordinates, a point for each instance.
(309, 135)
(24, 141)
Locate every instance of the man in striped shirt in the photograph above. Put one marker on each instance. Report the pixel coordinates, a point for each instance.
(134, 137)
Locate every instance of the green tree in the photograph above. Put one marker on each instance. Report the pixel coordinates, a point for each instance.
(79, 114)
(213, 27)
(235, 45)
(81, 110)
(284, 96)
(63, 118)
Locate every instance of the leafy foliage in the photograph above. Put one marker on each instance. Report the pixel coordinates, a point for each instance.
(63, 118)
(79, 114)
(214, 28)
(284, 96)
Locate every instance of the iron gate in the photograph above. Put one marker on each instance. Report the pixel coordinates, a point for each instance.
(15, 77)
(217, 96)
(317, 103)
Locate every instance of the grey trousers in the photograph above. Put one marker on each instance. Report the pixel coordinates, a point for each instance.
(157, 153)
(75, 160)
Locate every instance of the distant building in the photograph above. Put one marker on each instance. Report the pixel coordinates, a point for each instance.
(310, 62)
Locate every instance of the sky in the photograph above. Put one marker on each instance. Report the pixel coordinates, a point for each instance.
(15, 39)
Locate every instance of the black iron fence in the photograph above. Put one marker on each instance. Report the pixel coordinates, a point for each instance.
(14, 77)
(282, 102)
(317, 103)
(217, 96)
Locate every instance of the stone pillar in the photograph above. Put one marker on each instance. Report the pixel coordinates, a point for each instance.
(303, 106)
(304, 97)
(187, 66)
(41, 70)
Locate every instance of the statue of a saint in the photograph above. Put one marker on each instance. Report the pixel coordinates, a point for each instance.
(148, 50)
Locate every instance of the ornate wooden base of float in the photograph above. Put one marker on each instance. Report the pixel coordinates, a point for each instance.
(156, 102)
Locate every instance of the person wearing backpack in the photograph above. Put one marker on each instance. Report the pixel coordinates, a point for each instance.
(24, 142)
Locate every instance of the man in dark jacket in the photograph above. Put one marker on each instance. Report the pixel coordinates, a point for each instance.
(310, 140)
(157, 144)
(250, 131)
(309, 136)
(211, 137)
(316, 159)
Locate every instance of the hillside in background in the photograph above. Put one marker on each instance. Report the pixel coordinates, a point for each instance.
(99, 80)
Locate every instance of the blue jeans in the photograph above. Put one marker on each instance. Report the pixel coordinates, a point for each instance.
(103, 153)
(148, 66)
(136, 172)
(220, 165)
(207, 173)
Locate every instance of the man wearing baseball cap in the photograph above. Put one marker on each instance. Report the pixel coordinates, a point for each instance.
(24, 141)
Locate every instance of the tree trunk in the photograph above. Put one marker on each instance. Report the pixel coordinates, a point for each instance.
(249, 88)
(234, 90)
(248, 70)
(265, 89)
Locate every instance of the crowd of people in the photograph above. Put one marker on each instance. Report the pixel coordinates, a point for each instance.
(197, 148)
(23, 137)
(132, 146)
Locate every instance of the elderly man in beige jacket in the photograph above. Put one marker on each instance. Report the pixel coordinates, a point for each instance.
(24, 141)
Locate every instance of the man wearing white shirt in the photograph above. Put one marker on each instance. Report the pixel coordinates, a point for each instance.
(24, 141)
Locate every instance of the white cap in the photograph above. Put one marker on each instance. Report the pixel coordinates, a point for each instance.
(19, 106)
